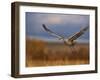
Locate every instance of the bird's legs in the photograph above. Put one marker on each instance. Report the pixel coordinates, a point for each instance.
(73, 49)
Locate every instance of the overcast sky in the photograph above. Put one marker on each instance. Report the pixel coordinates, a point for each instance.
(63, 24)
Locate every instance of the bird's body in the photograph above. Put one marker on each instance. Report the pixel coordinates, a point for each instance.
(69, 41)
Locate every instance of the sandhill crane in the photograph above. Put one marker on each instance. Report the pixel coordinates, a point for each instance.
(69, 41)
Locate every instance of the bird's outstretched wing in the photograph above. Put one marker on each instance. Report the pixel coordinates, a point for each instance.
(78, 34)
(52, 33)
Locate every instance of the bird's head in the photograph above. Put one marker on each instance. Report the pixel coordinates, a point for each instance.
(70, 43)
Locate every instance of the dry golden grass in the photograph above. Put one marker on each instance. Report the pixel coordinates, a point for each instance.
(40, 53)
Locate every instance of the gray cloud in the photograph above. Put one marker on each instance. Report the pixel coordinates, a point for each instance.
(60, 23)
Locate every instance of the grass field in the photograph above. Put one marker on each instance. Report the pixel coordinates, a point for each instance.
(40, 53)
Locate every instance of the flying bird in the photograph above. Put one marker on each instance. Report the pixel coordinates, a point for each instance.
(69, 41)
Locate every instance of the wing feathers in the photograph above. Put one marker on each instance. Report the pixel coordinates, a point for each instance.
(51, 32)
(78, 34)
(74, 37)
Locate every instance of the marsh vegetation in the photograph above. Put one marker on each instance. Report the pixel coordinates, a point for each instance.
(41, 53)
